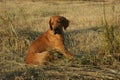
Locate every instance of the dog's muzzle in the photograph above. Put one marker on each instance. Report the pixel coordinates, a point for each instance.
(57, 31)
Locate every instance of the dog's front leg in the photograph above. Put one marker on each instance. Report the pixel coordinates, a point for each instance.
(64, 51)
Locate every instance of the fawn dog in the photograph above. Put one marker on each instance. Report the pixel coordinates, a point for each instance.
(39, 51)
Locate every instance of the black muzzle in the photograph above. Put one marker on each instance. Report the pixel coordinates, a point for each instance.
(57, 31)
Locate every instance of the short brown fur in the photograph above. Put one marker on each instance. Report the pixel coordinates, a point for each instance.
(39, 51)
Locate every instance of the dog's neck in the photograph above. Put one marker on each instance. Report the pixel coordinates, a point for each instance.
(56, 32)
(54, 37)
(58, 36)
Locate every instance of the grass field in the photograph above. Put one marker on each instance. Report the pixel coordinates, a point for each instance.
(93, 36)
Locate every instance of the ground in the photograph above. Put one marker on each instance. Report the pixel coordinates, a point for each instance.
(93, 37)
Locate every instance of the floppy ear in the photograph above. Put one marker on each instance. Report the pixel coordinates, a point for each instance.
(65, 23)
(50, 24)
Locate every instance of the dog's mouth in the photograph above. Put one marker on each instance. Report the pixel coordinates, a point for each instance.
(57, 31)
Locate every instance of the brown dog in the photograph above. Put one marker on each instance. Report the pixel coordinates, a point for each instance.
(53, 38)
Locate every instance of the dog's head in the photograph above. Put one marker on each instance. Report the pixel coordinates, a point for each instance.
(57, 23)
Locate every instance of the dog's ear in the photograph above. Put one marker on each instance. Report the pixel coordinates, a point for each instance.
(50, 24)
(65, 23)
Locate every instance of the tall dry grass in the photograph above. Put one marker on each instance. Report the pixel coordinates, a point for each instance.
(93, 37)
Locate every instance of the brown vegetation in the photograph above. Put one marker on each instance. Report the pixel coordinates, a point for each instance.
(93, 37)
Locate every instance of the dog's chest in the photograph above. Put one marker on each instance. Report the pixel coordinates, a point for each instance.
(55, 40)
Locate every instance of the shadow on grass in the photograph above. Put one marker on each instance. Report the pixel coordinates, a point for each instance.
(64, 69)
(76, 39)
(26, 73)
(28, 33)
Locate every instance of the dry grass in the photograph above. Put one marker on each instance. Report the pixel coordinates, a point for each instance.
(86, 37)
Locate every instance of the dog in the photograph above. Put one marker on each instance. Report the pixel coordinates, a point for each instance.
(53, 39)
